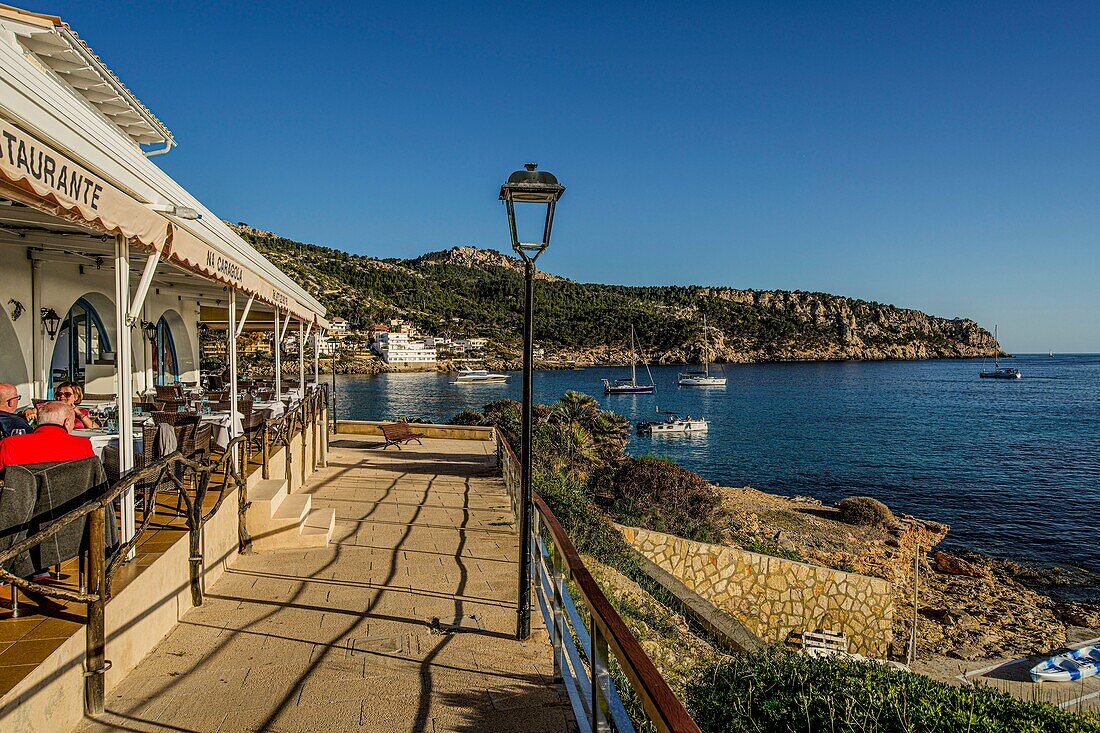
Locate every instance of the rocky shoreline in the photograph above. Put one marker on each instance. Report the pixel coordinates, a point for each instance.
(969, 606)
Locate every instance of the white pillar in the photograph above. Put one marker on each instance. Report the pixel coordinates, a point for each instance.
(124, 381)
(278, 347)
(38, 334)
(302, 359)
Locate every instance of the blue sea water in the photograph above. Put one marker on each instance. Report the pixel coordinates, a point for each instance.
(1012, 466)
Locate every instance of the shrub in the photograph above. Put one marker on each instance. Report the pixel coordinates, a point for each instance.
(779, 690)
(587, 527)
(467, 417)
(865, 511)
(657, 494)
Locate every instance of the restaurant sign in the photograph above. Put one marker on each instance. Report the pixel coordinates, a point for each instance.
(62, 186)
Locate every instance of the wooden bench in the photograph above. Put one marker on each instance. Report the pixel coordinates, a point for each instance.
(398, 433)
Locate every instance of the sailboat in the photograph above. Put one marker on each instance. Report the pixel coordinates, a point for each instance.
(630, 386)
(702, 378)
(1000, 372)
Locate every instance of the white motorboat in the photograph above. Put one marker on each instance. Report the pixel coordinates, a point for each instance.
(674, 424)
(479, 376)
(702, 378)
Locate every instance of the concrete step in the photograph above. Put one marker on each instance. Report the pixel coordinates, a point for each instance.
(293, 509)
(283, 528)
(317, 528)
(266, 497)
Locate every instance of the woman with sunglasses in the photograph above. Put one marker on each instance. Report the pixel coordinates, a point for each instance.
(73, 394)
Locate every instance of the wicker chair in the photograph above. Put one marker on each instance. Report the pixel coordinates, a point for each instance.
(100, 397)
(168, 392)
(173, 405)
(148, 407)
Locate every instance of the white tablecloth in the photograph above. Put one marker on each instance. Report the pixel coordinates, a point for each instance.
(270, 409)
(221, 423)
(100, 439)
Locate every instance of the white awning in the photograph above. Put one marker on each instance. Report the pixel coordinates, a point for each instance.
(117, 183)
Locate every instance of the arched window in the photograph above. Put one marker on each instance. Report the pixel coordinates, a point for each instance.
(81, 340)
(165, 365)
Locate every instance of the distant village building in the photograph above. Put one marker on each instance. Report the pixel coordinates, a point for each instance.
(400, 349)
(472, 344)
(338, 327)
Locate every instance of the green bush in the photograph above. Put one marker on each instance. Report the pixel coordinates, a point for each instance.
(779, 690)
(865, 511)
(467, 417)
(657, 494)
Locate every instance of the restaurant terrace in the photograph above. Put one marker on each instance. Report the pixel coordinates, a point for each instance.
(235, 558)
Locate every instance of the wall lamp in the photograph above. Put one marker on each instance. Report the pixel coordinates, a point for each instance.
(150, 330)
(51, 321)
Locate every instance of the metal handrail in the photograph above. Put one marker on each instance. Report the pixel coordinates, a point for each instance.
(584, 668)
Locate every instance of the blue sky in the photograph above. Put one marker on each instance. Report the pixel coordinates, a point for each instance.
(940, 157)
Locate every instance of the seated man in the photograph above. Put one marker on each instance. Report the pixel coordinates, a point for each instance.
(48, 442)
(11, 423)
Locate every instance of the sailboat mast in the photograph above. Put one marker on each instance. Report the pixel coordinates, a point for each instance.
(633, 359)
(706, 348)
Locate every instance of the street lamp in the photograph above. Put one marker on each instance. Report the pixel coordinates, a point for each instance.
(538, 188)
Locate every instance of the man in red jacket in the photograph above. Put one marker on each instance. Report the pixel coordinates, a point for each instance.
(50, 441)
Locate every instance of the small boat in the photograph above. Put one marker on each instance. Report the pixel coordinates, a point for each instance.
(479, 376)
(1073, 665)
(630, 386)
(701, 378)
(1000, 372)
(674, 424)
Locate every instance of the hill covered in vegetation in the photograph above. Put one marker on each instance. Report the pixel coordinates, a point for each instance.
(472, 291)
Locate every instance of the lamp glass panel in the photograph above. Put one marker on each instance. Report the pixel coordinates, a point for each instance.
(530, 222)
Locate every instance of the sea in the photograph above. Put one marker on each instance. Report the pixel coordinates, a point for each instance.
(1013, 466)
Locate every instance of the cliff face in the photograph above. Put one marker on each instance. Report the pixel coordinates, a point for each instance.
(859, 330)
(468, 291)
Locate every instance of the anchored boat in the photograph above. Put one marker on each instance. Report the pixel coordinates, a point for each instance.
(1000, 372)
(702, 378)
(479, 376)
(674, 424)
(631, 386)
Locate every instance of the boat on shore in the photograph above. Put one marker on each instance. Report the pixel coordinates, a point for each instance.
(1073, 665)
(673, 424)
(479, 376)
(1000, 372)
(631, 386)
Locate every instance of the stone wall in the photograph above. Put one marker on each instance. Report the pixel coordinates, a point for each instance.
(772, 596)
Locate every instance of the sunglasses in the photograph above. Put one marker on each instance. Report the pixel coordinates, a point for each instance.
(12, 399)
(64, 394)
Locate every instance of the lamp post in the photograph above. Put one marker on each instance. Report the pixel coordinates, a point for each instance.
(541, 188)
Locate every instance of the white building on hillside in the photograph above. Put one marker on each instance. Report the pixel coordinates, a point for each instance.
(338, 327)
(399, 349)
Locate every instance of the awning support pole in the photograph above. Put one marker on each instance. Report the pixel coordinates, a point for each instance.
(125, 398)
(231, 335)
(277, 347)
(286, 325)
(301, 360)
(138, 301)
(317, 357)
(244, 316)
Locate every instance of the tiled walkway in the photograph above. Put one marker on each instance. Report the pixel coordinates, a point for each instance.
(353, 637)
